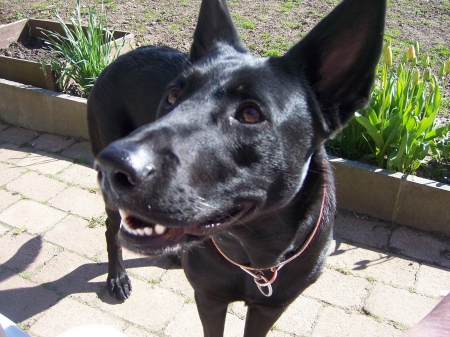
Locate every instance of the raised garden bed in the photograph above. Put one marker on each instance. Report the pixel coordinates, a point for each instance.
(30, 72)
(391, 196)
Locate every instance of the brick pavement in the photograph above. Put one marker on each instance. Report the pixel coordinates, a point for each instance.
(378, 281)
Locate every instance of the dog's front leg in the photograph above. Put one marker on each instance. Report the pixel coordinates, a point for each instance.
(212, 314)
(260, 319)
(119, 284)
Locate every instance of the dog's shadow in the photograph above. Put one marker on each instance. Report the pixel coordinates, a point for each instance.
(21, 301)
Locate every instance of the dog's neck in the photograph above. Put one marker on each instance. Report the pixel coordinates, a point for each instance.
(269, 240)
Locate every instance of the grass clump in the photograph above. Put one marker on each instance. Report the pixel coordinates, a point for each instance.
(80, 55)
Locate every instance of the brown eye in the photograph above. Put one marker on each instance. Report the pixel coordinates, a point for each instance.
(173, 95)
(249, 114)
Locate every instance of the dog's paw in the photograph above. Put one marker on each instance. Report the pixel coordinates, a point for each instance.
(119, 286)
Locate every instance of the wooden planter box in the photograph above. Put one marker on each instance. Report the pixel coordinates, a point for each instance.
(30, 72)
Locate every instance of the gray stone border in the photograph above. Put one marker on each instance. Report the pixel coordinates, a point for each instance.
(403, 199)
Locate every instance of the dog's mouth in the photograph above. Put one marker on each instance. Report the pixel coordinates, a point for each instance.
(153, 237)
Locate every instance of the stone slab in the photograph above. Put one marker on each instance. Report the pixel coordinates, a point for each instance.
(36, 186)
(25, 253)
(80, 175)
(44, 162)
(75, 234)
(149, 306)
(52, 143)
(378, 266)
(68, 314)
(21, 300)
(422, 246)
(80, 150)
(338, 289)
(398, 305)
(334, 322)
(79, 201)
(9, 173)
(7, 198)
(33, 216)
(433, 282)
(12, 153)
(361, 229)
(17, 135)
(300, 316)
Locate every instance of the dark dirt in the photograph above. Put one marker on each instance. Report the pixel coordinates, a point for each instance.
(32, 50)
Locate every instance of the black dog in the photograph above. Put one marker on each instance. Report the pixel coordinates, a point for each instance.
(223, 160)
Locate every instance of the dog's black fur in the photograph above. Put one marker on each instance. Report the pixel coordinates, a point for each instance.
(222, 144)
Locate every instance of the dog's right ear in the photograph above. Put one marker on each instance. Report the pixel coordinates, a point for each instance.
(214, 26)
(338, 59)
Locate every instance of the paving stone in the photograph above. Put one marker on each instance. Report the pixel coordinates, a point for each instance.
(276, 333)
(149, 306)
(238, 309)
(186, 323)
(368, 232)
(21, 300)
(24, 252)
(80, 175)
(433, 281)
(382, 267)
(7, 198)
(335, 322)
(398, 305)
(339, 289)
(36, 186)
(175, 281)
(234, 326)
(9, 173)
(3, 229)
(422, 246)
(141, 266)
(33, 216)
(133, 331)
(12, 153)
(17, 135)
(44, 162)
(74, 234)
(68, 314)
(80, 150)
(299, 317)
(52, 143)
(79, 202)
(71, 274)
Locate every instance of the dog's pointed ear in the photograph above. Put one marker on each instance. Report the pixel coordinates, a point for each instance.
(214, 25)
(339, 58)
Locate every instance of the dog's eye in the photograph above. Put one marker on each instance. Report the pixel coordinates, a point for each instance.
(173, 95)
(249, 114)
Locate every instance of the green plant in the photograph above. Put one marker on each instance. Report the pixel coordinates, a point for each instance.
(399, 127)
(81, 55)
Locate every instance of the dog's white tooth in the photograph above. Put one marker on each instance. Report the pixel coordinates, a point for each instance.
(124, 225)
(123, 214)
(140, 231)
(159, 229)
(148, 231)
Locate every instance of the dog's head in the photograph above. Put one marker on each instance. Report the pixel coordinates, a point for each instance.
(236, 132)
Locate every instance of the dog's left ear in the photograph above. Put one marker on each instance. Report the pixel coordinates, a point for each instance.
(339, 58)
(214, 26)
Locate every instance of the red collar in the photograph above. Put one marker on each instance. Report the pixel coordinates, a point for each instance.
(258, 274)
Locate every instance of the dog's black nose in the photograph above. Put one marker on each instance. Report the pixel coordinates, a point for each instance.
(121, 168)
